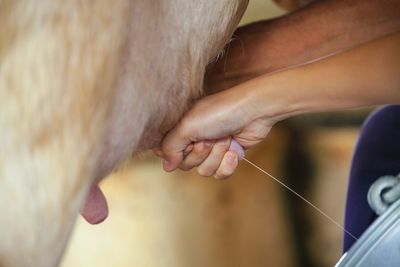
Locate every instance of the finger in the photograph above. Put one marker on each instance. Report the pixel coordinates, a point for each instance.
(212, 162)
(200, 152)
(173, 147)
(188, 150)
(158, 152)
(228, 165)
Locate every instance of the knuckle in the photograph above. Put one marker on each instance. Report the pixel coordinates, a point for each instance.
(186, 128)
(222, 177)
(219, 175)
(185, 167)
(222, 145)
(166, 148)
(204, 172)
(227, 173)
(224, 172)
(200, 148)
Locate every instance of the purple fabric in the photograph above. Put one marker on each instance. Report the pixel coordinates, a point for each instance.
(377, 153)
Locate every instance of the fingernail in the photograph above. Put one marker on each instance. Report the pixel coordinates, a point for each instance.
(167, 166)
(231, 158)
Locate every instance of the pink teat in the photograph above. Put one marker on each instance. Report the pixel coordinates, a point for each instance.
(236, 147)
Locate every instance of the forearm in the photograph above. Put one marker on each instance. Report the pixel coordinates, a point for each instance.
(320, 29)
(364, 76)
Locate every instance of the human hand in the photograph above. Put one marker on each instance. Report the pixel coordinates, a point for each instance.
(204, 136)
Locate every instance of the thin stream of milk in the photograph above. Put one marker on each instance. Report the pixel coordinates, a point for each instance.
(302, 198)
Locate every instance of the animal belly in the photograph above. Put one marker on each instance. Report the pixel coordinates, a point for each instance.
(83, 86)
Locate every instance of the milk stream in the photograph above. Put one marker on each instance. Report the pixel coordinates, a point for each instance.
(301, 197)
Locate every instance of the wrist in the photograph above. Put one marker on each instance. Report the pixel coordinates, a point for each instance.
(276, 97)
(263, 98)
(271, 99)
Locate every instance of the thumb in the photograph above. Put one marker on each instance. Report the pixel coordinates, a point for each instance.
(174, 147)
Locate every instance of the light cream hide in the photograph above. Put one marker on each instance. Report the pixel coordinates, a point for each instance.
(83, 86)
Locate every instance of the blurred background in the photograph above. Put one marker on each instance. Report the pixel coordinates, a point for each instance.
(180, 219)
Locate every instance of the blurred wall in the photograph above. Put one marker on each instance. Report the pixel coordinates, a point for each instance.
(261, 9)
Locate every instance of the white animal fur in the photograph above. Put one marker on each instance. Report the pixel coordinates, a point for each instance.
(83, 84)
